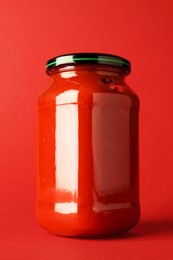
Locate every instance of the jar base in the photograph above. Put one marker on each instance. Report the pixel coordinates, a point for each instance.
(87, 224)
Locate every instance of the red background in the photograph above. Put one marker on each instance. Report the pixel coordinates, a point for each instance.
(34, 31)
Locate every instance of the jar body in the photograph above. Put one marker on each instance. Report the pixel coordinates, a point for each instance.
(88, 153)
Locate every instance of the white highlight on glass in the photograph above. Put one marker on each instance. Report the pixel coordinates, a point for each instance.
(69, 96)
(66, 141)
(66, 207)
(69, 74)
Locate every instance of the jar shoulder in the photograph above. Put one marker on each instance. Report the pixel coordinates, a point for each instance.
(67, 91)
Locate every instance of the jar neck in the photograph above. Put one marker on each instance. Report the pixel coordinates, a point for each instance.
(82, 70)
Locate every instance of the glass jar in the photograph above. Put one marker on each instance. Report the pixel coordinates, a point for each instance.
(88, 147)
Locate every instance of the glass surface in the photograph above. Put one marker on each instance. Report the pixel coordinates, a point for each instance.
(88, 153)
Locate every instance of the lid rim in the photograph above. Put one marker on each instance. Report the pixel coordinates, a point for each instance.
(88, 58)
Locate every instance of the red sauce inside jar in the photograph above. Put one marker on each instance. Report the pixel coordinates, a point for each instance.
(88, 150)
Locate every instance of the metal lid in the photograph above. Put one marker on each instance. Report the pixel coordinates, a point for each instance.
(88, 58)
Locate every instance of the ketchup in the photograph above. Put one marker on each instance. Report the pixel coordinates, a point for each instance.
(88, 179)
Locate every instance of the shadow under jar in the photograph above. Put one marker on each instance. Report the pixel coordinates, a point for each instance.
(88, 183)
